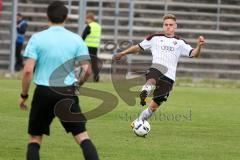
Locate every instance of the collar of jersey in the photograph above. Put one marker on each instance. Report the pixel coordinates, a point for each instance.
(57, 27)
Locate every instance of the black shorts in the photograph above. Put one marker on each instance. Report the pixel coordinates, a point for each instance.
(42, 111)
(163, 85)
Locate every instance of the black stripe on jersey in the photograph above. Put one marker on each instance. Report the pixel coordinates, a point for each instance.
(140, 47)
(191, 53)
(161, 34)
(184, 41)
(153, 35)
(179, 38)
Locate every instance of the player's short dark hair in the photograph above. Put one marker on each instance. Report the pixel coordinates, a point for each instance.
(57, 12)
(169, 16)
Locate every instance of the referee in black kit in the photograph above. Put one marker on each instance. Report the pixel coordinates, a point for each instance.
(46, 52)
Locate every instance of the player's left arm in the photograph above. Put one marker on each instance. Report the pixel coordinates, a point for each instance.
(26, 81)
(200, 42)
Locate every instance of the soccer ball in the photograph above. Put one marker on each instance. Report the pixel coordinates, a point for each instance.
(141, 127)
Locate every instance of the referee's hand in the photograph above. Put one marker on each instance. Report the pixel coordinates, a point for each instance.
(22, 104)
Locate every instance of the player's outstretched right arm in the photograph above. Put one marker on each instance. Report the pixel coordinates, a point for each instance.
(132, 50)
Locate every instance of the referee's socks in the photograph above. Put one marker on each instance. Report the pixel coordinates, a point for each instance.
(89, 150)
(33, 151)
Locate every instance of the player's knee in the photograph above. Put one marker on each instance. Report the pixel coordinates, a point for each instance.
(151, 81)
(154, 109)
(35, 139)
(81, 137)
(154, 106)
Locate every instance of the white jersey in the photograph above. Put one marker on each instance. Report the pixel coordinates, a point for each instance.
(166, 51)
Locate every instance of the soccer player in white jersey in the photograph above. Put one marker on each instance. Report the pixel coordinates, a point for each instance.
(166, 49)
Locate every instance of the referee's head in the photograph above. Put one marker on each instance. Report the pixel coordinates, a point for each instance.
(57, 12)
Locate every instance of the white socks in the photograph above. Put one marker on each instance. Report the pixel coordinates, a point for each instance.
(148, 87)
(146, 114)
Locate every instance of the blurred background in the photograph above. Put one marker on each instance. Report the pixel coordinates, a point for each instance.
(201, 118)
(130, 21)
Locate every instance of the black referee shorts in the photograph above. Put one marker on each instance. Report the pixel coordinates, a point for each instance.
(163, 85)
(42, 111)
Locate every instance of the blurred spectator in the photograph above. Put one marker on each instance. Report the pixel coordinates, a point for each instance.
(21, 30)
(1, 7)
(92, 37)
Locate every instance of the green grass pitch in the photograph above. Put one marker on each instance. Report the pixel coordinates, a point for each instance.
(197, 123)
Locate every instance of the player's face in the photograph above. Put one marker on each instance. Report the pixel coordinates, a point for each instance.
(169, 26)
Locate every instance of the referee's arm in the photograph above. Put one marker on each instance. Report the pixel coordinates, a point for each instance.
(26, 81)
(132, 50)
(85, 73)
